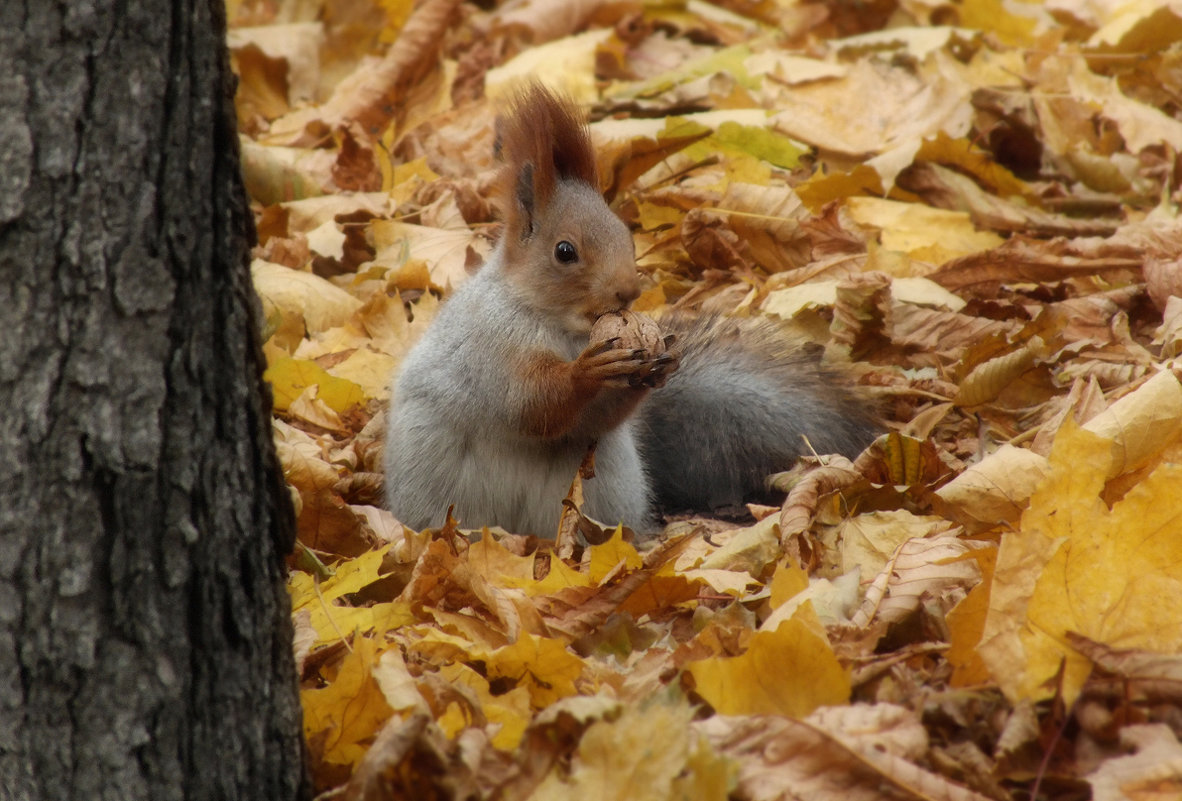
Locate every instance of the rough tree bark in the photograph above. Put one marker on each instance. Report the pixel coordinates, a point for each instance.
(145, 643)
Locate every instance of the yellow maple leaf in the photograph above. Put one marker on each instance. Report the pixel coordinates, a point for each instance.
(500, 566)
(560, 577)
(787, 582)
(924, 233)
(1112, 575)
(648, 753)
(348, 712)
(543, 666)
(332, 621)
(349, 576)
(789, 671)
(966, 622)
(510, 712)
(369, 370)
(994, 16)
(605, 557)
(290, 377)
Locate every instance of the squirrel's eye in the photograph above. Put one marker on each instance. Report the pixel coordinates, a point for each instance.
(565, 252)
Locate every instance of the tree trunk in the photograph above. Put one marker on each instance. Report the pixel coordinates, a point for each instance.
(145, 640)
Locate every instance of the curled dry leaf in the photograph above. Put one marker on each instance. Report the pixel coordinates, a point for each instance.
(819, 480)
(830, 756)
(938, 569)
(543, 20)
(370, 97)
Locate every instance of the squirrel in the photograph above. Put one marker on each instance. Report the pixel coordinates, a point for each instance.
(495, 407)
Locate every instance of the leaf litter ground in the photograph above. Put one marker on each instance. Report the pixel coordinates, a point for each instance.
(971, 207)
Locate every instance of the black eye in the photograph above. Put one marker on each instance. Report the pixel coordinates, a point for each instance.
(565, 252)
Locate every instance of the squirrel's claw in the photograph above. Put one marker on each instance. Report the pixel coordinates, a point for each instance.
(661, 368)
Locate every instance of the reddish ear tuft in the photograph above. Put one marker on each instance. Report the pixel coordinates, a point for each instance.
(542, 140)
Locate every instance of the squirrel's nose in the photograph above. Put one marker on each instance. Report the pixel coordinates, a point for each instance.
(628, 293)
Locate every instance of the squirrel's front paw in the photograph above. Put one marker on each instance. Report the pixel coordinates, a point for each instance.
(604, 362)
(660, 367)
(650, 363)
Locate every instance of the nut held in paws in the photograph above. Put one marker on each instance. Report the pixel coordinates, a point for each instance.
(635, 331)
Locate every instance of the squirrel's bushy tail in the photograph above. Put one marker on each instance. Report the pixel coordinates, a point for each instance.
(739, 409)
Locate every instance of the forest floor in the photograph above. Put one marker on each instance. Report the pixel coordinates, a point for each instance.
(971, 206)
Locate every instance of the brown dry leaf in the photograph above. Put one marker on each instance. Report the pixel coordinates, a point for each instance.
(447, 252)
(327, 523)
(853, 753)
(912, 325)
(903, 108)
(394, 743)
(370, 97)
(446, 580)
(920, 570)
(303, 458)
(278, 66)
(805, 495)
(948, 189)
(869, 540)
(1132, 665)
(1152, 771)
(767, 220)
(305, 216)
(538, 21)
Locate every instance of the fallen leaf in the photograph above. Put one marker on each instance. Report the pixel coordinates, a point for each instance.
(790, 671)
(1125, 556)
(320, 304)
(855, 755)
(1153, 770)
(347, 713)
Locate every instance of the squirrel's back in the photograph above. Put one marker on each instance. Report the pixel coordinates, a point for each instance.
(740, 408)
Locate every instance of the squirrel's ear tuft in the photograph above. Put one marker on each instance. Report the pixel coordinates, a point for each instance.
(542, 140)
(524, 202)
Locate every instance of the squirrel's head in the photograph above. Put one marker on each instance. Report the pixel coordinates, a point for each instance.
(563, 247)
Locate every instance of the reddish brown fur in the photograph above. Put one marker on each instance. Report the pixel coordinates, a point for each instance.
(556, 398)
(560, 394)
(547, 132)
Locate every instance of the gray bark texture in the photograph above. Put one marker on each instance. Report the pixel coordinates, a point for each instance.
(145, 638)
